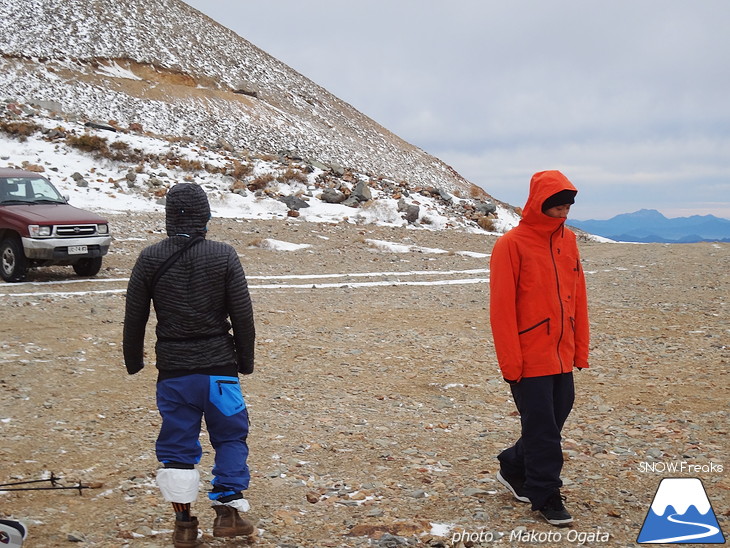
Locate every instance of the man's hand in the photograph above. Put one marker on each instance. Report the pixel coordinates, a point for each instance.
(245, 368)
(135, 368)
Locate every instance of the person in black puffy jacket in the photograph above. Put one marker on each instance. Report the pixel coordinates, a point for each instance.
(199, 291)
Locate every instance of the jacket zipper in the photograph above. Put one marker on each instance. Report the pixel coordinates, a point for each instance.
(220, 382)
(560, 300)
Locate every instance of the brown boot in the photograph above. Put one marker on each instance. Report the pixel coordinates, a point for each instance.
(229, 524)
(185, 534)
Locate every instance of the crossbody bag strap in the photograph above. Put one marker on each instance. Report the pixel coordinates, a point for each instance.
(171, 259)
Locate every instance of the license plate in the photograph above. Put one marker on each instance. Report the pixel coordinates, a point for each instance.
(77, 249)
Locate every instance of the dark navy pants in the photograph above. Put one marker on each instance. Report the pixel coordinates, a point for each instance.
(544, 404)
(182, 403)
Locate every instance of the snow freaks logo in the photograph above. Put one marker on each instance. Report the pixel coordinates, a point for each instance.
(12, 533)
(680, 513)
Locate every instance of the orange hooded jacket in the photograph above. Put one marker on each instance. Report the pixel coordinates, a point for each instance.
(538, 308)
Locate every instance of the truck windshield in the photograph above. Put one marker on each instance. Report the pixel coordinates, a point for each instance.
(32, 190)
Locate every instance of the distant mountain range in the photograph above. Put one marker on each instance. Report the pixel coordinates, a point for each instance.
(648, 225)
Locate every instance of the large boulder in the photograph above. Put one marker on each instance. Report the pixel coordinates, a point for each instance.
(294, 203)
(332, 196)
(362, 192)
(412, 213)
(485, 208)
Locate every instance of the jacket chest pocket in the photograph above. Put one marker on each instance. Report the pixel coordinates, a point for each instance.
(569, 269)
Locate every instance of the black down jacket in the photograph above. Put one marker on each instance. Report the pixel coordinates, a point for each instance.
(197, 301)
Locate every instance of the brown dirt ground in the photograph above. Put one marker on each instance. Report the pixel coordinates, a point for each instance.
(374, 409)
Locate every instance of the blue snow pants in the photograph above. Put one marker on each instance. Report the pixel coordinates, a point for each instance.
(182, 403)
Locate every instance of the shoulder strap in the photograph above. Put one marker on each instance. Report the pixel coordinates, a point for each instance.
(171, 259)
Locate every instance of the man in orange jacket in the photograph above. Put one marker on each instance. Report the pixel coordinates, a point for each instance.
(539, 319)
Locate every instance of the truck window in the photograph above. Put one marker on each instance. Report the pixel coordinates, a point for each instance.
(28, 190)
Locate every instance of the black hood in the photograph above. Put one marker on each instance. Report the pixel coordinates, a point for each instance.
(187, 210)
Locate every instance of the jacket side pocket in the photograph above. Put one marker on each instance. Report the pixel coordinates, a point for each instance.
(538, 324)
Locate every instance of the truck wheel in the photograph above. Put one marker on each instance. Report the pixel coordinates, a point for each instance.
(13, 266)
(88, 267)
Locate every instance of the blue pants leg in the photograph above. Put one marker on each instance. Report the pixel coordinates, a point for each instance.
(182, 403)
(226, 418)
(544, 404)
(181, 406)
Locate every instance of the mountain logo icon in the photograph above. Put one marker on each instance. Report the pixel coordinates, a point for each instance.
(680, 513)
(12, 533)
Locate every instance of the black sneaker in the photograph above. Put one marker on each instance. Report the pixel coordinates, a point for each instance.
(514, 485)
(554, 511)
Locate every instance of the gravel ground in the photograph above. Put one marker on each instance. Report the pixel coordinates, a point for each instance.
(377, 410)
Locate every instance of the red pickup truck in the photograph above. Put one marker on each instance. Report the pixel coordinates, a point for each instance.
(39, 228)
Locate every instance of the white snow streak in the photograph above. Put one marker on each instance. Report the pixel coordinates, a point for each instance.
(345, 283)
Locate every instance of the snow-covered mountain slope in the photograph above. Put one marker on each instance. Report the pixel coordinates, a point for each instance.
(166, 68)
(119, 171)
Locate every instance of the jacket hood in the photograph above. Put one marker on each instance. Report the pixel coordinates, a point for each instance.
(187, 210)
(543, 185)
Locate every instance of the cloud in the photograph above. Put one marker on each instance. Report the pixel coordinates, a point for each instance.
(625, 94)
(612, 176)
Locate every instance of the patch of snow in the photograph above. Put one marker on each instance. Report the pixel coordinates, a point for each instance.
(115, 71)
(382, 245)
(441, 529)
(474, 254)
(278, 245)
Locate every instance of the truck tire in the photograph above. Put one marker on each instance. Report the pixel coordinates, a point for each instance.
(13, 265)
(88, 267)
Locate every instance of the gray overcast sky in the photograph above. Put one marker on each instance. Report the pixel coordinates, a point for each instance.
(629, 98)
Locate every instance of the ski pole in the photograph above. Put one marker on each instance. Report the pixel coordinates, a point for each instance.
(53, 479)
